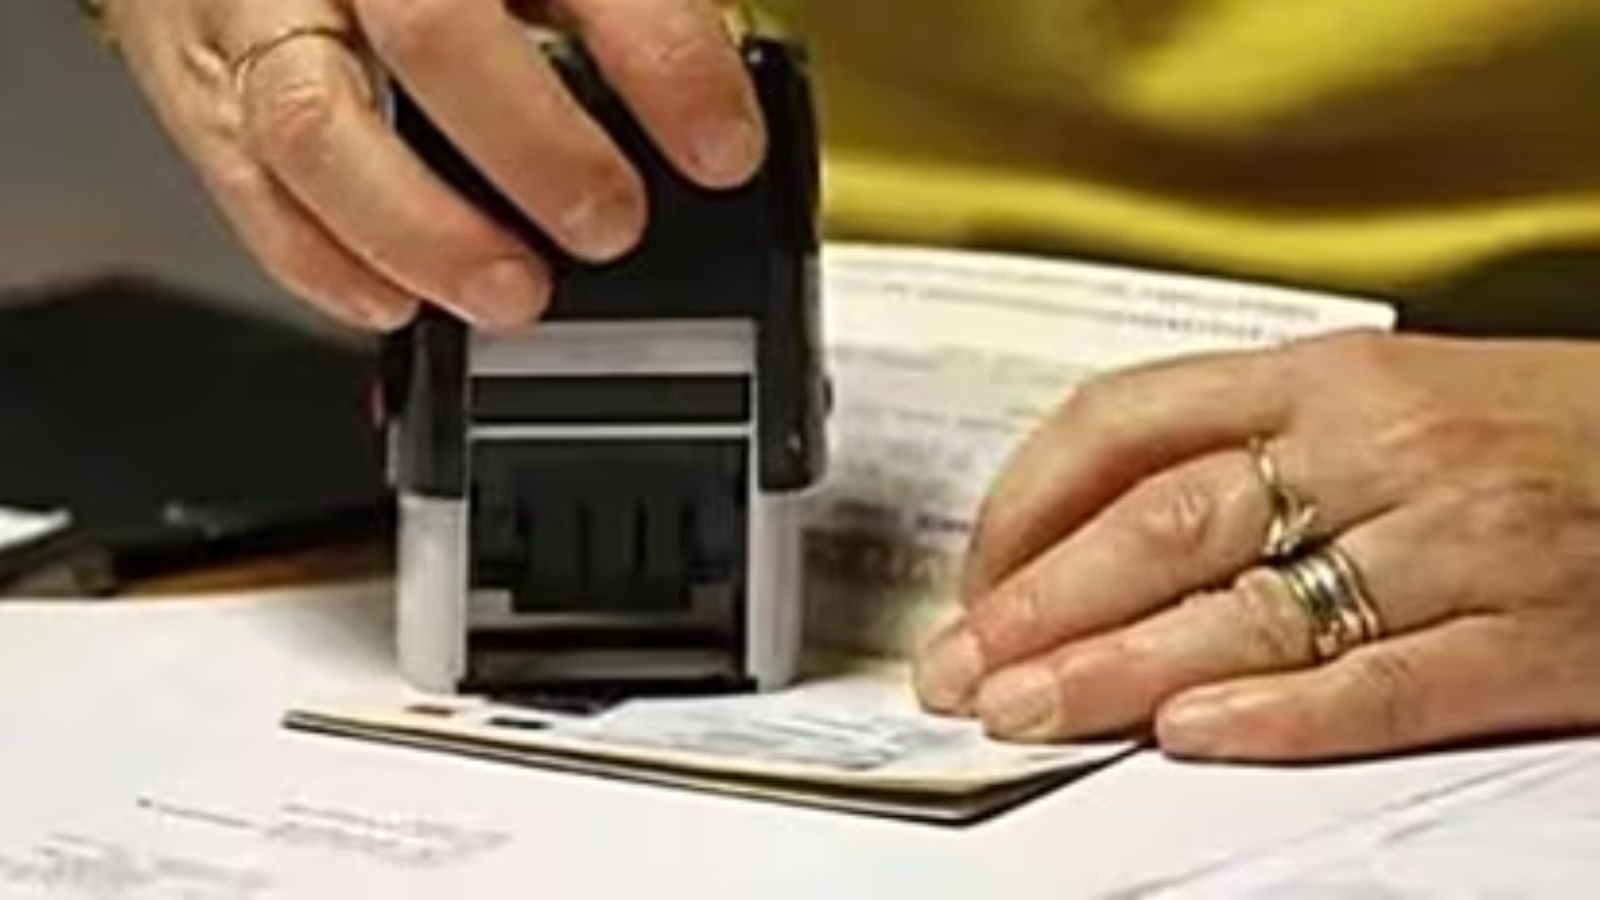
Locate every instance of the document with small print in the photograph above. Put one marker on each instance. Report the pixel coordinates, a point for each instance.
(941, 362)
(233, 844)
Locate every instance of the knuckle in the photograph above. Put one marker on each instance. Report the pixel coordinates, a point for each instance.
(1272, 629)
(405, 29)
(1498, 522)
(1097, 403)
(681, 41)
(1388, 683)
(1012, 619)
(1430, 434)
(1522, 507)
(1420, 428)
(292, 124)
(239, 181)
(1373, 365)
(1171, 517)
(1354, 352)
(1124, 668)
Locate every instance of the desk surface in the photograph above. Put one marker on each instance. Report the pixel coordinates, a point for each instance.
(332, 564)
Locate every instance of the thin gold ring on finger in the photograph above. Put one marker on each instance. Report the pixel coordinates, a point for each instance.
(1293, 518)
(252, 56)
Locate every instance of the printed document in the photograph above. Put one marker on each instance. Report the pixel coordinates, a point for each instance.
(943, 362)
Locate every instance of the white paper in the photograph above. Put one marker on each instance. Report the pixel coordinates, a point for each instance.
(143, 760)
(1526, 830)
(19, 527)
(942, 362)
(79, 665)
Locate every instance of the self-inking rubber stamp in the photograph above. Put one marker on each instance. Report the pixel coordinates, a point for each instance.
(608, 502)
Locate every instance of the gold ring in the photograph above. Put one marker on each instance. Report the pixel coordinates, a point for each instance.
(1293, 517)
(252, 56)
(1330, 590)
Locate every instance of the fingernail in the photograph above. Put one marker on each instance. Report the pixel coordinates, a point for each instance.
(604, 224)
(949, 670)
(1197, 727)
(727, 150)
(505, 293)
(1020, 704)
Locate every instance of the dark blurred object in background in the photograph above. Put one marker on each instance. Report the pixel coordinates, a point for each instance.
(178, 433)
(1549, 294)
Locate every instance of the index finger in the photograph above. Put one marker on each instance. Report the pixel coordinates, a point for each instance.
(677, 66)
(475, 70)
(1113, 433)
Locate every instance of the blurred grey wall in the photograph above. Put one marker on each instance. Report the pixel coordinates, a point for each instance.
(89, 184)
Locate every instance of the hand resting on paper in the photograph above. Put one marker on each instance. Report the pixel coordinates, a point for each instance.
(274, 102)
(1134, 565)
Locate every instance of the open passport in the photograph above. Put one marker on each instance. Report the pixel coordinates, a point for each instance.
(941, 361)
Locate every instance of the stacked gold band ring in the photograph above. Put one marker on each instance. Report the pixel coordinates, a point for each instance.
(1324, 582)
(1328, 587)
